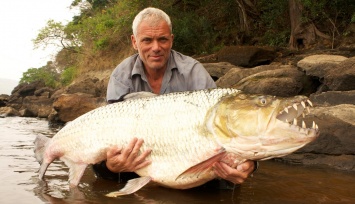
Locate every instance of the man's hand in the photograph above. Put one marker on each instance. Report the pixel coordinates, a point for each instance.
(127, 159)
(235, 175)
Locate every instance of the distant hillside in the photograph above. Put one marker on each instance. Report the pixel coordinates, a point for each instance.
(7, 85)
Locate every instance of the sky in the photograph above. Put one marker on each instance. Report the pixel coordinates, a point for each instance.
(20, 22)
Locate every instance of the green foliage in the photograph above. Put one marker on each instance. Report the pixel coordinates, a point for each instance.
(68, 75)
(101, 33)
(48, 76)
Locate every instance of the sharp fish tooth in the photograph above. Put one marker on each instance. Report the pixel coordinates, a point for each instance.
(294, 121)
(303, 124)
(286, 110)
(303, 104)
(310, 103)
(308, 111)
(295, 106)
(314, 125)
(303, 115)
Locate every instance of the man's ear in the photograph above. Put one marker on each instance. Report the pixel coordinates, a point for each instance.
(134, 42)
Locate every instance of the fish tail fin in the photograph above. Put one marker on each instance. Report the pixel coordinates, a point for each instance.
(40, 146)
(132, 186)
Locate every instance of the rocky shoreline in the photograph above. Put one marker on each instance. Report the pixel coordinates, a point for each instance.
(328, 78)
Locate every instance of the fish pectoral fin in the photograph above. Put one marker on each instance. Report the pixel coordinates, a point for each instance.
(203, 166)
(76, 171)
(132, 186)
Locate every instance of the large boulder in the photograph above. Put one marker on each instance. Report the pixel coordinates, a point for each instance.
(342, 77)
(70, 106)
(280, 80)
(89, 86)
(319, 65)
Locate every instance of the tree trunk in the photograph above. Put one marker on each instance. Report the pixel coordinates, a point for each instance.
(295, 18)
(303, 34)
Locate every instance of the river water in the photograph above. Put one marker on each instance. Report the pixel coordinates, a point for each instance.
(273, 183)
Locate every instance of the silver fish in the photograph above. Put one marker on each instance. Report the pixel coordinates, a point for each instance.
(187, 131)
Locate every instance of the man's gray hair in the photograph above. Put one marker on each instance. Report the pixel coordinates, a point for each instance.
(152, 14)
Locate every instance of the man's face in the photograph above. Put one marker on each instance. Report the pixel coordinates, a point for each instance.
(153, 42)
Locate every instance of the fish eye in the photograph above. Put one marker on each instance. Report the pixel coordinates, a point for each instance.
(263, 101)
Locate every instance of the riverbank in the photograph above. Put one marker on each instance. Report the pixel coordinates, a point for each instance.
(326, 76)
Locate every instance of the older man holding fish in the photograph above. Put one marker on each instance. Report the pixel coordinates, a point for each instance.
(158, 69)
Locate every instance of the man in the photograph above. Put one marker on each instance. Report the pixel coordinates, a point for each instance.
(158, 69)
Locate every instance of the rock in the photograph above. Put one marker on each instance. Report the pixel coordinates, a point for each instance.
(246, 56)
(280, 80)
(8, 111)
(70, 106)
(27, 89)
(219, 69)
(332, 98)
(37, 106)
(87, 86)
(341, 78)
(319, 65)
(337, 128)
(4, 98)
(234, 75)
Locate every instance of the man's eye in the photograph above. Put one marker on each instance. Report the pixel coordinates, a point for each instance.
(146, 40)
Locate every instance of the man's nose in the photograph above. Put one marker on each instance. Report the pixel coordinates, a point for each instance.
(155, 45)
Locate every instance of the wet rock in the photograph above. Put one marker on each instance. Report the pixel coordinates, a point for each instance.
(8, 111)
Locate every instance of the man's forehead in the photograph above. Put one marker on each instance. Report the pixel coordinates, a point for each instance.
(160, 28)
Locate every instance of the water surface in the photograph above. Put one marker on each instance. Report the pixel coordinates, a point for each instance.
(273, 183)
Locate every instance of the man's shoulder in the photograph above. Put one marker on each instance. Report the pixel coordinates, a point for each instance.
(182, 59)
(126, 65)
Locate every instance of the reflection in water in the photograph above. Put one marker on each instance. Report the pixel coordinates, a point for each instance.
(274, 182)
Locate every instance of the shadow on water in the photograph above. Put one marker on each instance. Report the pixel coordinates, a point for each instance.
(273, 183)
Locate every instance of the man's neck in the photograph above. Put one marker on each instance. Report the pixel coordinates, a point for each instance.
(155, 78)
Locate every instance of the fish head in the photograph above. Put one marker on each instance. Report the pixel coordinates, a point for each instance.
(260, 127)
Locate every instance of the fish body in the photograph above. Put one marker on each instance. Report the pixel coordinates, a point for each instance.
(186, 131)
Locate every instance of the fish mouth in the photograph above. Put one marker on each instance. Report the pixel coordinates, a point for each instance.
(291, 115)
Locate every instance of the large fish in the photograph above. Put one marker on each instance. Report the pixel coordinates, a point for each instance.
(187, 132)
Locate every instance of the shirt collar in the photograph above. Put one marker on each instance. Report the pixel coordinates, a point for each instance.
(138, 67)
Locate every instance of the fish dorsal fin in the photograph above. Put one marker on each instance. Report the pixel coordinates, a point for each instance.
(132, 186)
(203, 166)
(137, 95)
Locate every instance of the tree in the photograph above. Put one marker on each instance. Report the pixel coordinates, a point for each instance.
(48, 74)
(54, 33)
